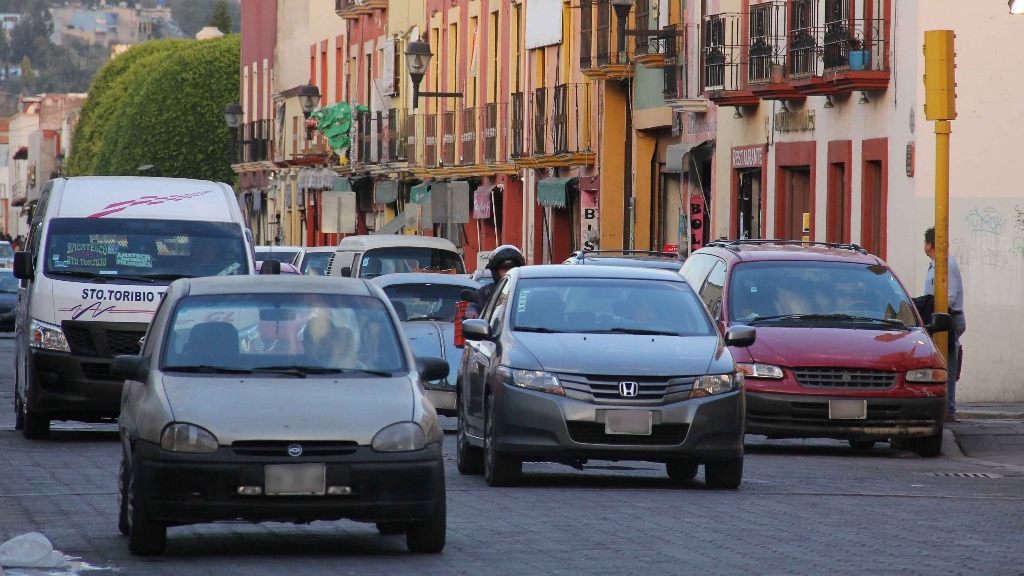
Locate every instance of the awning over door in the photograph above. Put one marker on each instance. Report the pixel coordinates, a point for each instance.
(554, 191)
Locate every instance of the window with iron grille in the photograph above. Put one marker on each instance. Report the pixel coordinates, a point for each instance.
(469, 135)
(714, 54)
(603, 32)
(448, 145)
(517, 125)
(491, 133)
(642, 15)
(837, 33)
(411, 143)
(586, 33)
(540, 119)
(430, 139)
(378, 125)
(560, 119)
(802, 42)
(671, 71)
(364, 127)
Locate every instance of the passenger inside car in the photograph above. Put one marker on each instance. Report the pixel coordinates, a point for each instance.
(210, 344)
(327, 345)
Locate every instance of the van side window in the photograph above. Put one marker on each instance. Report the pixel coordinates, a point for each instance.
(711, 292)
(696, 268)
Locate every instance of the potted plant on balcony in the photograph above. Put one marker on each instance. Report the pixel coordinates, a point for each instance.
(859, 58)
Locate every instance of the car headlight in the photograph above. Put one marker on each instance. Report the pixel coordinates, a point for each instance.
(760, 371)
(531, 380)
(716, 384)
(401, 437)
(188, 438)
(47, 336)
(927, 375)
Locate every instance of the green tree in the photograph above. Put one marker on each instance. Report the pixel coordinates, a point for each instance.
(221, 18)
(192, 15)
(27, 73)
(173, 117)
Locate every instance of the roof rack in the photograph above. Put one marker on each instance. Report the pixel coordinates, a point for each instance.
(629, 252)
(734, 244)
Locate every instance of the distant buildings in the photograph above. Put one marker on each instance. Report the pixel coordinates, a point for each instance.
(112, 25)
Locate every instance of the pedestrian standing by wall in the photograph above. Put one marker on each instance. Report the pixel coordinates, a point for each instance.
(955, 291)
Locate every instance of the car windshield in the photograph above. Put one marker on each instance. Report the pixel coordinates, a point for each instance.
(291, 333)
(379, 261)
(5, 250)
(433, 301)
(283, 254)
(315, 263)
(592, 305)
(152, 250)
(774, 291)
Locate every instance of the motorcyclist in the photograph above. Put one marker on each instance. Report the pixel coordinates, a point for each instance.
(503, 259)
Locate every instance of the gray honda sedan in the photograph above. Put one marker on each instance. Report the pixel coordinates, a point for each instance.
(570, 363)
(278, 398)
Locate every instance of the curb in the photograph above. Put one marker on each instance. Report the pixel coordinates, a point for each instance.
(972, 415)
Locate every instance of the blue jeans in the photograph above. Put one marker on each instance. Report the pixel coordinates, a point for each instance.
(953, 361)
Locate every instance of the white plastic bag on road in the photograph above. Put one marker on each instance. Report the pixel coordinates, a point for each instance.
(32, 550)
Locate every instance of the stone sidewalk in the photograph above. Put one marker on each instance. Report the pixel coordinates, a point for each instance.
(988, 432)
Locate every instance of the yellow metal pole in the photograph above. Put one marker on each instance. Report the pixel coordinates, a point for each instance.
(942, 131)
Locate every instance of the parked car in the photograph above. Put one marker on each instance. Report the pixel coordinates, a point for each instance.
(635, 258)
(315, 260)
(569, 363)
(286, 254)
(841, 351)
(6, 255)
(8, 299)
(215, 427)
(425, 303)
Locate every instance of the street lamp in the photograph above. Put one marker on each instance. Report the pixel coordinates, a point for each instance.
(622, 8)
(417, 58)
(309, 97)
(1016, 6)
(233, 117)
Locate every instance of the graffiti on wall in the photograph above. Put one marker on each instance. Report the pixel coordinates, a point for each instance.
(995, 240)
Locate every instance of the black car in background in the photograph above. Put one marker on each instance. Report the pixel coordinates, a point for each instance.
(8, 299)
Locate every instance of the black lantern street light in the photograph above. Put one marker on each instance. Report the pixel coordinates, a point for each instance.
(233, 117)
(309, 97)
(417, 58)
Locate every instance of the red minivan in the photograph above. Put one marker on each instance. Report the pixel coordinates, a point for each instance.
(841, 350)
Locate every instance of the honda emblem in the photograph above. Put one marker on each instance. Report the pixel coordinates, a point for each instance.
(629, 389)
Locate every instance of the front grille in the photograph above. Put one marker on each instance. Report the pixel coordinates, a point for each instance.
(84, 340)
(657, 390)
(661, 435)
(844, 378)
(93, 371)
(816, 414)
(310, 448)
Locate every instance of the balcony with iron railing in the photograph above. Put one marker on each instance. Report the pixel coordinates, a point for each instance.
(364, 138)
(767, 51)
(600, 57)
(495, 122)
(660, 49)
(848, 55)
(397, 135)
(554, 129)
(725, 62)
(257, 142)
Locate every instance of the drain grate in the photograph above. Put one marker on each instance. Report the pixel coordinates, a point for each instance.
(965, 474)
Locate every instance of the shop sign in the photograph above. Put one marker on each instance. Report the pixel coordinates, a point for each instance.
(748, 157)
(696, 222)
(794, 121)
(590, 227)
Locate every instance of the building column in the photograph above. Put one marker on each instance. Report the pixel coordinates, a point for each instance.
(612, 159)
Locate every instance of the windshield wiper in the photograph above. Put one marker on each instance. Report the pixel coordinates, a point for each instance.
(844, 317)
(143, 278)
(537, 329)
(152, 277)
(433, 318)
(207, 369)
(302, 371)
(79, 274)
(640, 331)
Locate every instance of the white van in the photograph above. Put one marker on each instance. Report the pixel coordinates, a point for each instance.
(100, 253)
(373, 255)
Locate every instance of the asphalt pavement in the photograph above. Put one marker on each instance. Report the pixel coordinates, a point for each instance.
(988, 432)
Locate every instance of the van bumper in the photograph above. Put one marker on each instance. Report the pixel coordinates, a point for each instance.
(71, 387)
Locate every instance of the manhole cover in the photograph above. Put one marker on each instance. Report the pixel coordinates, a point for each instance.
(965, 474)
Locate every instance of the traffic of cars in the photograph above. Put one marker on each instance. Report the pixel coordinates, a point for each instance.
(295, 399)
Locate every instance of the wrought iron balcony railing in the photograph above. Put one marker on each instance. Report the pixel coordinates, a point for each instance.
(257, 142)
(494, 133)
(518, 125)
(450, 137)
(364, 139)
(469, 140)
(430, 140)
(558, 121)
(767, 43)
(398, 135)
(723, 53)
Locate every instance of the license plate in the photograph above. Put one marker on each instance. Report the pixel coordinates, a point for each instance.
(847, 409)
(294, 479)
(636, 422)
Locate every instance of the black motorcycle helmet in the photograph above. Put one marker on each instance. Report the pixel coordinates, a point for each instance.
(502, 256)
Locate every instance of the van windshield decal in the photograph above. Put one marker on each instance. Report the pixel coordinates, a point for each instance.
(148, 200)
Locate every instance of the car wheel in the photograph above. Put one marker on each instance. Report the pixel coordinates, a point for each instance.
(123, 526)
(862, 444)
(726, 474)
(681, 469)
(929, 446)
(146, 537)
(469, 459)
(390, 528)
(428, 536)
(34, 426)
(499, 469)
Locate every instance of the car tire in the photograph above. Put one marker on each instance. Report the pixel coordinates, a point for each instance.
(681, 469)
(428, 536)
(862, 444)
(123, 526)
(391, 528)
(34, 426)
(724, 474)
(469, 459)
(499, 469)
(146, 537)
(928, 447)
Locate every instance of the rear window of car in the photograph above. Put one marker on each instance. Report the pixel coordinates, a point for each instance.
(425, 301)
(591, 305)
(769, 289)
(324, 332)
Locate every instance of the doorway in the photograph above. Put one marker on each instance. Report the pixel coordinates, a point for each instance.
(797, 215)
(749, 205)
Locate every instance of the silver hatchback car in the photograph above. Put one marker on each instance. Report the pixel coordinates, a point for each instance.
(330, 422)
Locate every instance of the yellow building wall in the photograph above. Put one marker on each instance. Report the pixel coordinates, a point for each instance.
(611, 157)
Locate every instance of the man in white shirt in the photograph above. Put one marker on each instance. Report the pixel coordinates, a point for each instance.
(955, 292)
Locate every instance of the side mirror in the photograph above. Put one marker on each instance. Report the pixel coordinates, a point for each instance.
(431, 369)
(23, 265)
(740, 336)
(476, 329)
(941, 322)
(346, 271)
(127, 367)
(270, 266)
(468, 295)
